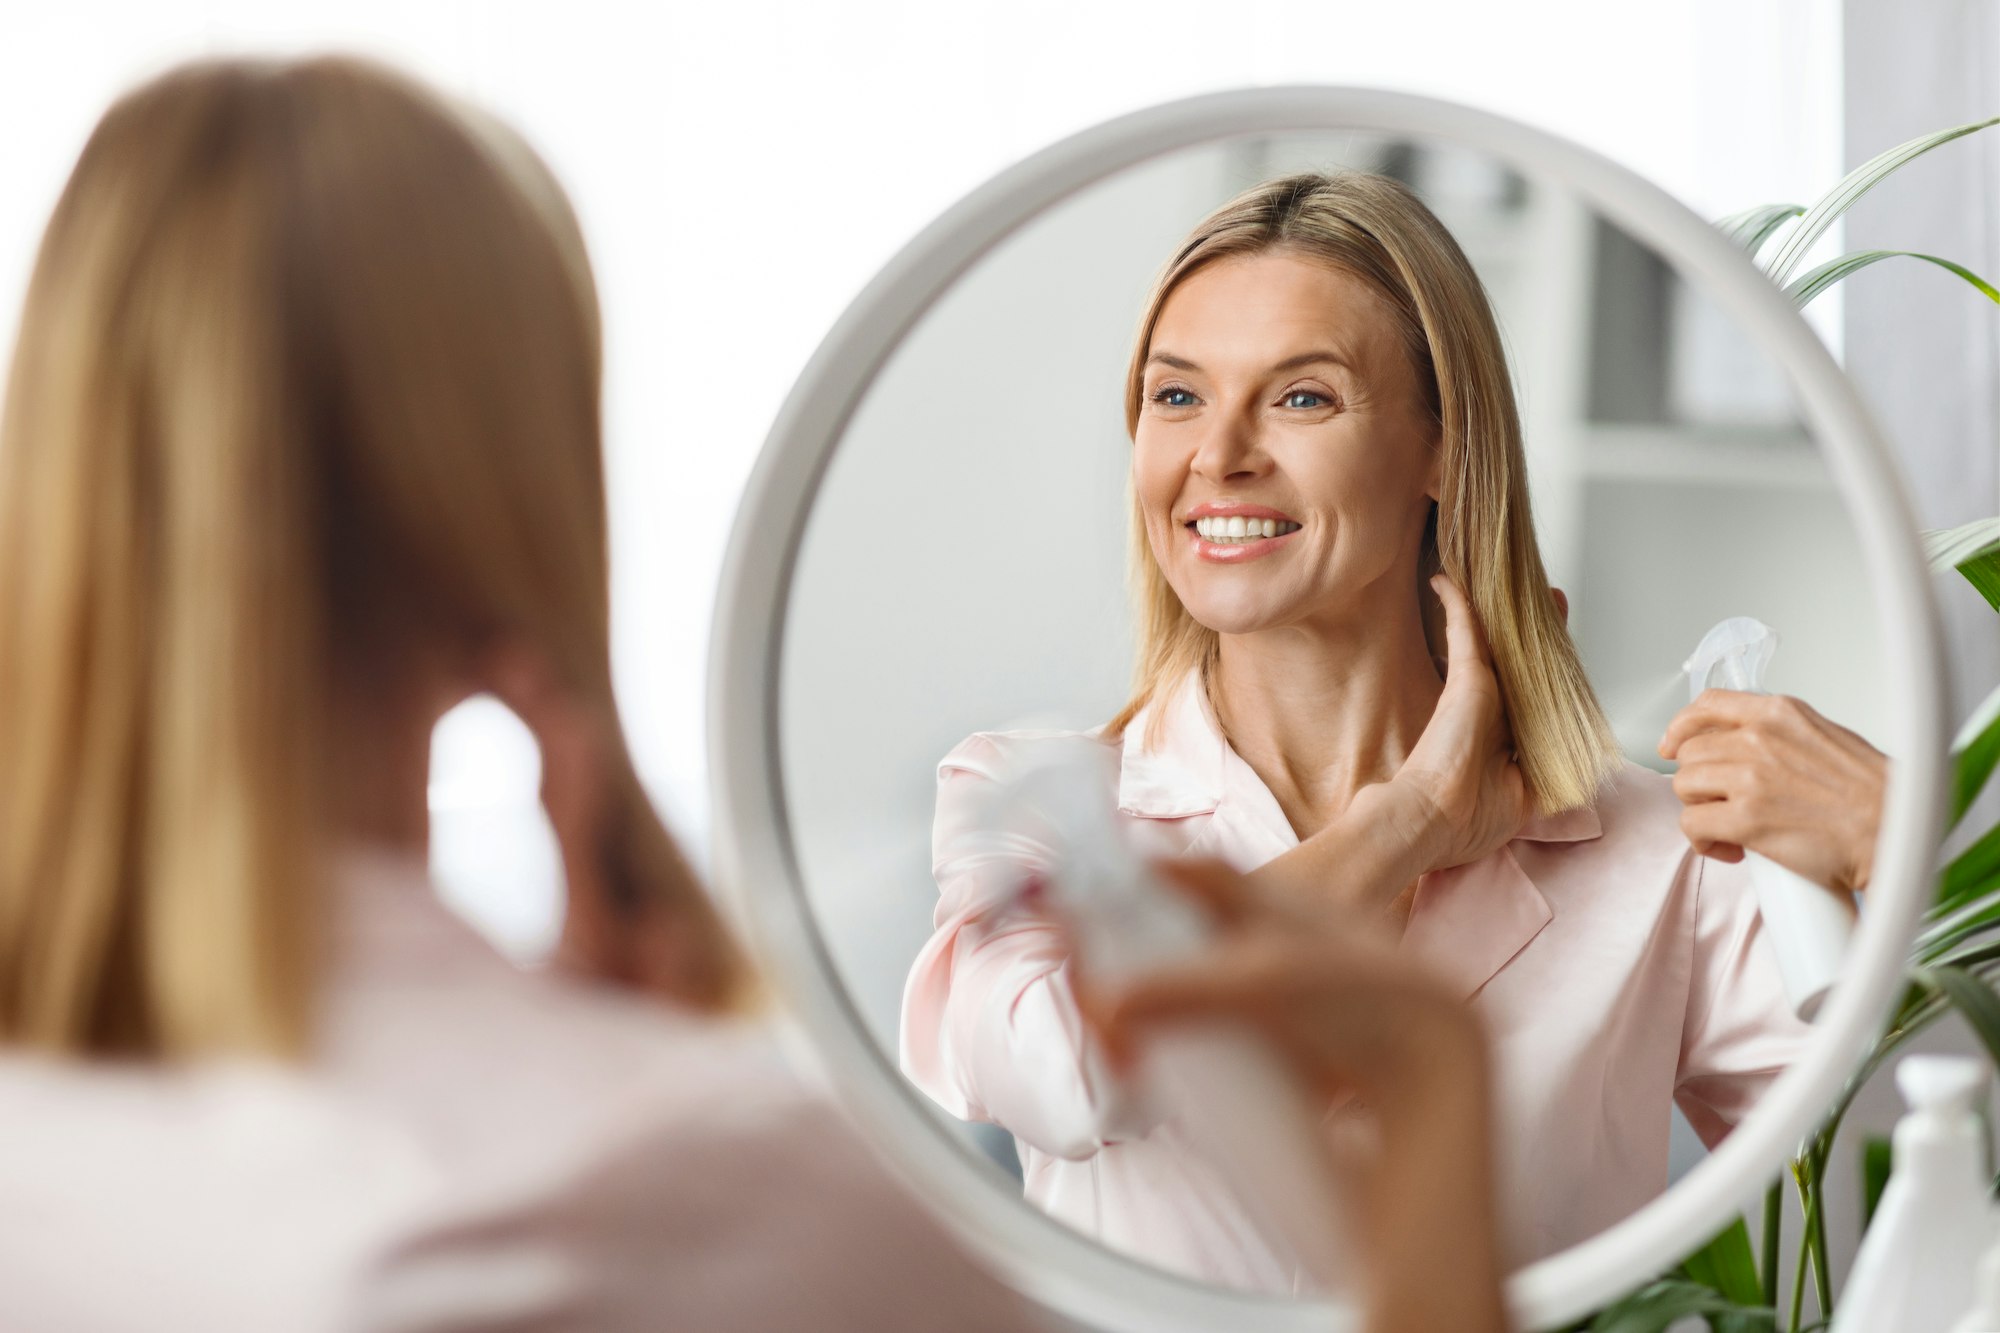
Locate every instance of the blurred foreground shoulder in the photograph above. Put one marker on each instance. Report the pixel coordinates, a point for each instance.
(193, 1200)
(754, 1206)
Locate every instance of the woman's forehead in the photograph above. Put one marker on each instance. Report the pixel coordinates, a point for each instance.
(1252, 312)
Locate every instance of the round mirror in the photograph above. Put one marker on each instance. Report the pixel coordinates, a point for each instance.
(1086, 393)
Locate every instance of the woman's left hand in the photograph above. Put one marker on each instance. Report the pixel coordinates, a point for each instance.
(1764, 772)
(634, 914)
(1348, 1014)
(1457, 796)
(1461, 774)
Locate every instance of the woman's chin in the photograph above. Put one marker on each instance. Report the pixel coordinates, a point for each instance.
(1233, 619)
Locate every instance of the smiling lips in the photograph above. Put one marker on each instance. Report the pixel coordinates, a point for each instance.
(1230, 534)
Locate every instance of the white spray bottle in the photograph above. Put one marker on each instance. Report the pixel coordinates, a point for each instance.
(1914, 1273)
(1984, 1316)
(1228, 1093)
(1809, 924)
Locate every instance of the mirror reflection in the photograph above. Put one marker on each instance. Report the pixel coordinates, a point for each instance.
(1162, 483)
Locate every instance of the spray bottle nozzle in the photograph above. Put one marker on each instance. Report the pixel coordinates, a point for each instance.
(1732, 656)
(1940, 1082)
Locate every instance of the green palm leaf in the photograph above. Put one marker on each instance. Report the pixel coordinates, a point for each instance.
(1977, 954)
(1860, 181)
(1972, 873)
(1661, 1305)
(1728, 1266)
(1753, 226)
(1958, 924)
(1975, 751)
(1805, 289)
(1972, 549)
(1877, 1160)
(1948, 548)
(1973, 998)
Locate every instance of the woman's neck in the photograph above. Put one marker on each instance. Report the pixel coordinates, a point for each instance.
(380, 771)
(1320, 711)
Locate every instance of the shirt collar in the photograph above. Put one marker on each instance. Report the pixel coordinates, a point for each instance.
(1467, 922)
(1576, 825)
(1179, 772)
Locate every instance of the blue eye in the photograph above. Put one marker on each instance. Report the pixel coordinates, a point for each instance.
(1304, 399)
(1174, 396)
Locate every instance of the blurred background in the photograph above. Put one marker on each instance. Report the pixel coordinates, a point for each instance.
(742, 170)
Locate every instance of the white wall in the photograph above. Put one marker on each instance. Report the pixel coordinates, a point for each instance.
(741, 169)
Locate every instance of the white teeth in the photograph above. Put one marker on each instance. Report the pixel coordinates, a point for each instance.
(1236, 529)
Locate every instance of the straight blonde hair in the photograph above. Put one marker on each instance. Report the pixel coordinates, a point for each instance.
(307, 384)
(1482, 534)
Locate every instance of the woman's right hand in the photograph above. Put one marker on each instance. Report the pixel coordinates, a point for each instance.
(1460, 793)
(1766, 773)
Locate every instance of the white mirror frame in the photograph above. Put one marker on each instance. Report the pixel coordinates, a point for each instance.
(755, 860)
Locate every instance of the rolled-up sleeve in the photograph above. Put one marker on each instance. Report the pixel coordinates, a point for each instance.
(990, 1027)
(1741, 1031)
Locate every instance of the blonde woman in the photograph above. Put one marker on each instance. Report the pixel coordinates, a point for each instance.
(1325, 450)
(300, 447)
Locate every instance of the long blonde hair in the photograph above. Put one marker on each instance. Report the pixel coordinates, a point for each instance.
(1482, 534)
(307, 375)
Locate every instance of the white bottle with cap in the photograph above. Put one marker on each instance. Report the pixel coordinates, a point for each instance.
(1984, 1316)
(1808, 924)
(1914, 1273)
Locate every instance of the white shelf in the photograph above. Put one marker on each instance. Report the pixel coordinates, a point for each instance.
(1775, 458)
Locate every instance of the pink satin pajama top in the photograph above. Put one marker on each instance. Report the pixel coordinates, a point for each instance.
(1617, 974)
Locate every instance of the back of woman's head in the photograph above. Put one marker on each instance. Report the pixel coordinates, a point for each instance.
(306, 390)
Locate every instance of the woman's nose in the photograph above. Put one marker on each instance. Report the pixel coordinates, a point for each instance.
(1230, 447)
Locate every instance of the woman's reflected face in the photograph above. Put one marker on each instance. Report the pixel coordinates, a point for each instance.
(1284, 461)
